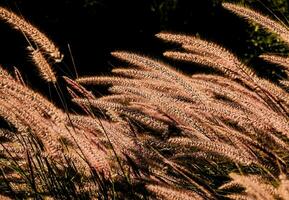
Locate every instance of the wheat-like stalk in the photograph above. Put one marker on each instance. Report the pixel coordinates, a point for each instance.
(44, 43)
(43, 66)
(258, 18)
(157, 133)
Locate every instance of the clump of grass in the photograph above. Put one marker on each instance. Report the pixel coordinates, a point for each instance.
(159, 133)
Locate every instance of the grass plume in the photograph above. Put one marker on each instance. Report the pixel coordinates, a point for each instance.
(157, 133)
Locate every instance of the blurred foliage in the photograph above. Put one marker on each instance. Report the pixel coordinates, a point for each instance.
(162, 9)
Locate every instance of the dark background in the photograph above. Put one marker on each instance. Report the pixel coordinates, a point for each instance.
(94, 28)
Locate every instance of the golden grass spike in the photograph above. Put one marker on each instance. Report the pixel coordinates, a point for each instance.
(43, 66)
(33, 33)
(285, 83)
(96, 157)
(189, 125)
(11, 88)
(120, 98)
(255, 186)
(283, 188)
(220, 148)
(240, 197)
(258, 18)
(158, 85)
(137, 74)
(146, 120)
(27, 118)
(205, 51)
(164, 102)
(198, 46)
(213, 62)
(104, 80)
(12, 118)
(4, 73)
(177, 38)
(4, 197)
(171, 193)
(162, 69)
(282, 61)
(132, 114)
